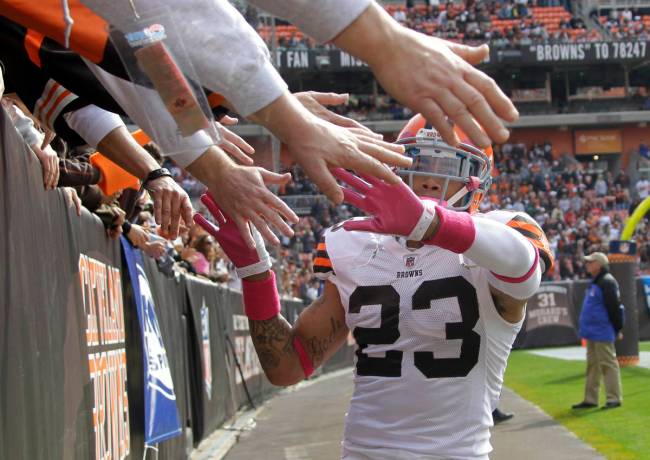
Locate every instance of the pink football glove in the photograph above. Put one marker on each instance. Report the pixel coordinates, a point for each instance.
(395, 209)
(248, 261)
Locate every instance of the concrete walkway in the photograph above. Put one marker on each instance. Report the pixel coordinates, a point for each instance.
(307, 424)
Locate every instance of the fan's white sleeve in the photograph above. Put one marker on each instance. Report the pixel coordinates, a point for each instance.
(227, 54)
(25, 126)
(92, 123)
(323, 19)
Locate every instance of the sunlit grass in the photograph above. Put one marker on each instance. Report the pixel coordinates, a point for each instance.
(556, 384)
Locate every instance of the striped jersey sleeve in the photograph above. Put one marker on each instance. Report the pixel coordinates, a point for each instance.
(528, 227)
(322, 263)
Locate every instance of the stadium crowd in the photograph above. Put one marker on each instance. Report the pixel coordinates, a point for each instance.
(579, 208)
(502, 23)
(626, 23)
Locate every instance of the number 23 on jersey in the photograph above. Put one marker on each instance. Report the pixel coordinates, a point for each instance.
(388, 332)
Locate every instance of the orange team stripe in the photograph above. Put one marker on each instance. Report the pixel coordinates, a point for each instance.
(141, 137)
(526, 226)
(322, 261)
(62, 96)
(53, 89)
(33, 40)
(321, 247)
(89, 33)
(215, 100)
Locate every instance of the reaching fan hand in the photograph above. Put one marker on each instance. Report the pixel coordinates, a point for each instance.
(249, 261)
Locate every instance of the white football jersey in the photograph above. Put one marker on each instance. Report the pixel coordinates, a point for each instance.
(432, 348)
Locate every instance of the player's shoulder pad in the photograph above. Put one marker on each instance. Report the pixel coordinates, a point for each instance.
(523, 223)
(337, 245)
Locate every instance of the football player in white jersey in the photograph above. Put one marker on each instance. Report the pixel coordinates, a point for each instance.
(433, 293)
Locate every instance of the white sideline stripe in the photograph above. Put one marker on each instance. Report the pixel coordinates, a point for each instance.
(580, 354)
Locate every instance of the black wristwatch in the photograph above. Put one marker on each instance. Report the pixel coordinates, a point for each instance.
(156, 174)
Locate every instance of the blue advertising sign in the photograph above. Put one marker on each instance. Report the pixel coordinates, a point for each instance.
(161, 414)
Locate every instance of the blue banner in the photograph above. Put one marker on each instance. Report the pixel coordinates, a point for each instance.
(161, 414)
(645, 280)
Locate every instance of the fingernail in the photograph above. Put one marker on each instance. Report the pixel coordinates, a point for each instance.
(504, 134)
(514, 114)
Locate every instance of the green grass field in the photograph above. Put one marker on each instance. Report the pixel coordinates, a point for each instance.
(555, 384)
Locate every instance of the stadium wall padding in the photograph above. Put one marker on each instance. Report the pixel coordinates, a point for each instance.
(71, 359)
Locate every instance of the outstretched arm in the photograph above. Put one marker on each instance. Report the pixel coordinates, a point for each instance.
(287, 354)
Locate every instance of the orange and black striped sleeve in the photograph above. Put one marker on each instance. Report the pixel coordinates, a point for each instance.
(322, 262)
(529, 228)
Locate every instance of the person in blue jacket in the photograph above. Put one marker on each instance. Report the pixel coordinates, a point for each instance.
(601, 321)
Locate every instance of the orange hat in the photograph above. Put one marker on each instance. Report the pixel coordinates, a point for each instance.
(114, 178)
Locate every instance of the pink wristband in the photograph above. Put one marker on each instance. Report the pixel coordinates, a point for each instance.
(305, 362)
(261, 300)
(455, 232)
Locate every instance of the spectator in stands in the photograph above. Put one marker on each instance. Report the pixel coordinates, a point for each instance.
(206, 259)
(601, 321)
(201, 255)
(601, 186)
(643, 188)
(400, 15)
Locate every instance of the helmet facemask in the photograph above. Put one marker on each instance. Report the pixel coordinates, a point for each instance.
(465, 164)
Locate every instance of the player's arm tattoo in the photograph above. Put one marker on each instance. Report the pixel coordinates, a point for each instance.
(318, 346)
(272, 341)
